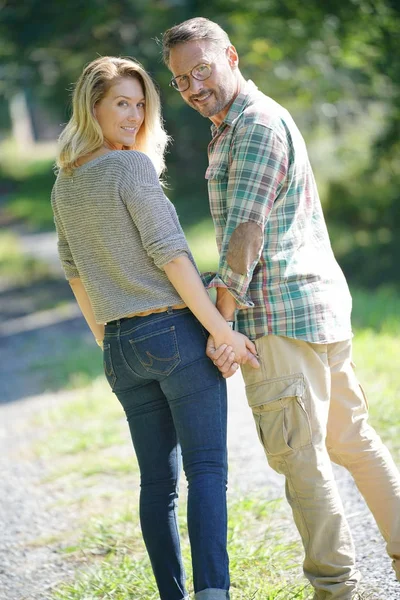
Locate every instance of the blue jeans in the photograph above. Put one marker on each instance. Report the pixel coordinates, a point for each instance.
(175, 402)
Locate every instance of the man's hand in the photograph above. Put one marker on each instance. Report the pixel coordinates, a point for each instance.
(224, 358)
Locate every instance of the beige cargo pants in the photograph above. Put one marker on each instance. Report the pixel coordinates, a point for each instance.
(309, 409)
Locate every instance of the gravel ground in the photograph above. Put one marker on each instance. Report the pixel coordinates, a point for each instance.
(29, 514)
(32, 511)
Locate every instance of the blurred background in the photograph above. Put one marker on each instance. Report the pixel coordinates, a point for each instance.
(334, 65)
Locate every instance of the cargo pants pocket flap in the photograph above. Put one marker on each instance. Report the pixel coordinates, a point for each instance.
(275, 389)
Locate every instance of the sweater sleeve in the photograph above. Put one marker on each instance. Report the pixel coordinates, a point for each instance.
(64, 251)
(151, 211)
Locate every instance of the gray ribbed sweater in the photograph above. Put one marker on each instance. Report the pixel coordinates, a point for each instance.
(116, 229)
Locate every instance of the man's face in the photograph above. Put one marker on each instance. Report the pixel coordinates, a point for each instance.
(213, 96)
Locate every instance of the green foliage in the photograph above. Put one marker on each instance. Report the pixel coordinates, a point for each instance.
(330, 63)
(366, 234)
(30, 202)
(28, 182)
(378, 311)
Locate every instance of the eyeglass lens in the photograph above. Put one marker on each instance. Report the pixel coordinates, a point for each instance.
(199, 72)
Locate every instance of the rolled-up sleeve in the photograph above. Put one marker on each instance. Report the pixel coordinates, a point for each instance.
(258, 167)
(155, 217)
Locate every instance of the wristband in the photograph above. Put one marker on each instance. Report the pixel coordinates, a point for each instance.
(231, 324)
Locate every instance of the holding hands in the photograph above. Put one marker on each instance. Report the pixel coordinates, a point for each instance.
(228, 357)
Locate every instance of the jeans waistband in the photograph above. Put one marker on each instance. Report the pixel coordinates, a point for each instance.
(145, 313)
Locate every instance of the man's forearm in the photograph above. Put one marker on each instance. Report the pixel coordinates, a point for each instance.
(226, 304)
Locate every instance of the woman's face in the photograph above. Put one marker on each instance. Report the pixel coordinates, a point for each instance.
(120, 113)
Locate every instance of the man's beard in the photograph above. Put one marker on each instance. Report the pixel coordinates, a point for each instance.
(216, 104)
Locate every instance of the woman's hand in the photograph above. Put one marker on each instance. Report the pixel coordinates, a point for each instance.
(227, 358)
(240, 344)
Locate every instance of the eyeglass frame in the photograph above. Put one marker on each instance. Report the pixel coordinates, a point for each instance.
(189, 73)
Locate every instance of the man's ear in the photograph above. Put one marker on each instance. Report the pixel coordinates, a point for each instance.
(233, 57)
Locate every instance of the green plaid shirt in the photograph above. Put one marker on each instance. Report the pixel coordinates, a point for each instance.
(259, 173)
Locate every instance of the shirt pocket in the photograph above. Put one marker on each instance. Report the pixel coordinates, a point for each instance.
(217, 171)
(217, 178)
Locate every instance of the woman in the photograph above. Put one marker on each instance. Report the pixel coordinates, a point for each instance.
(130, 268)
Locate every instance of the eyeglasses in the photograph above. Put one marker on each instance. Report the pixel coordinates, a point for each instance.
(201, 72)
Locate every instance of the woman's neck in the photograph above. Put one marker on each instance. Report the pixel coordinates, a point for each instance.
(88, 157)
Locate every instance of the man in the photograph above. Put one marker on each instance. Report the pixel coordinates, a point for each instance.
(277, 270)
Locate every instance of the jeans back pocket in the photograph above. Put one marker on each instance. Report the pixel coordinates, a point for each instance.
(158, 351)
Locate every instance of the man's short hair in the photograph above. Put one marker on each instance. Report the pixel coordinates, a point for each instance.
(198, 28)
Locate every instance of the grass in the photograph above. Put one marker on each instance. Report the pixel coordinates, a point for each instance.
(17, 267)
(262, 563)
(377, 310)
(376, 358)
(83, 426)
(376, 347)
(71, 366)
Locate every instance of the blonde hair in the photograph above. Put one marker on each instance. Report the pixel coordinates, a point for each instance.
(83, 135)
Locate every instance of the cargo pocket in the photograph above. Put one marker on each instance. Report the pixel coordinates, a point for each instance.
(108, 366)
(279, 410)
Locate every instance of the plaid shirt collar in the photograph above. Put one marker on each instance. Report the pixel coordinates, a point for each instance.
(240, 103)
